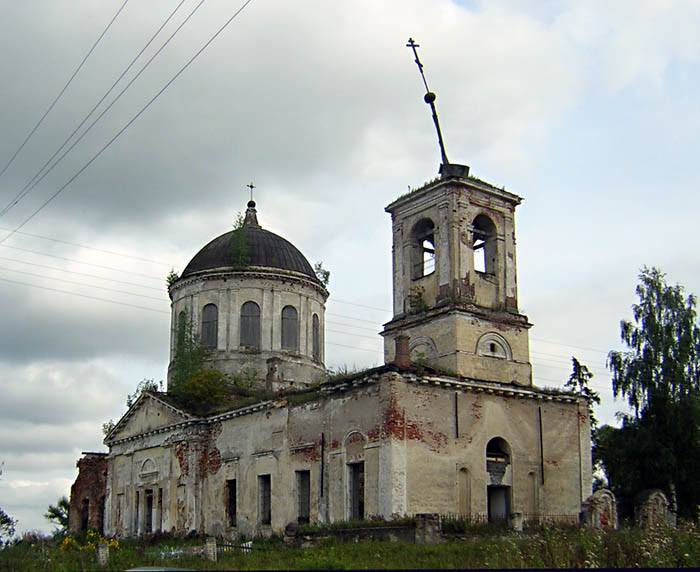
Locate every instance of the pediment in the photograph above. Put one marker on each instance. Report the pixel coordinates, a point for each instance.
(147, 414)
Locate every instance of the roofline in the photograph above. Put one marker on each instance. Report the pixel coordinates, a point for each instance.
(129, 412)
(470, 182)
(262, 271)
(413, 375)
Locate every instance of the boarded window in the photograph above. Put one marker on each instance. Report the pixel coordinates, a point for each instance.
(264, 499)
(290, 329)
(250, 325)
(316, 338)
(357, 490)
(231, 502)
(210, 325)
(303, 495)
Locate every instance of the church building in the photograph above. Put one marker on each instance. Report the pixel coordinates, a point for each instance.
(451, 423)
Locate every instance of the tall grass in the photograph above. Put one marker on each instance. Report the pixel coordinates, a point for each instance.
(549, 547)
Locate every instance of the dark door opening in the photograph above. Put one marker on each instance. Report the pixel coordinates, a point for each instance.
(85, 514)
(498, 503)
(304, 495)
(149, 511)
(357, 491)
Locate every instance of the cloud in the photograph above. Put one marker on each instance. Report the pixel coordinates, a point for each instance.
(586, 109)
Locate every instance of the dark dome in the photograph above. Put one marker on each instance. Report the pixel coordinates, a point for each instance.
(262, 248)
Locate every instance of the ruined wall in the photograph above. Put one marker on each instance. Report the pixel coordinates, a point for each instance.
(87, 494)
(448, 450)
(420, 443)
(229, 291)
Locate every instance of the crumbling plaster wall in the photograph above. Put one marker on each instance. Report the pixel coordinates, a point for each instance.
(401, 426)
(435, 452)
(271, 292)
(456, 334)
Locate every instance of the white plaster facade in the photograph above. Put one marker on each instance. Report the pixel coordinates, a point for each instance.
(465, 432)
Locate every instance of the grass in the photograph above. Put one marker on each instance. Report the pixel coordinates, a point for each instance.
(550, 547)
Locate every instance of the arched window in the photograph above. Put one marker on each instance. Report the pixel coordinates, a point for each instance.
(497, 451)
(250, 325)
(290, 329)
(316, 338)
(484, 244)
(210, 326)
(423, 248)
(181, 326)
(494, 345)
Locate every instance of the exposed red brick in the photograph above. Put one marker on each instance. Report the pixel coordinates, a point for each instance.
(181, 450)
(89, 489)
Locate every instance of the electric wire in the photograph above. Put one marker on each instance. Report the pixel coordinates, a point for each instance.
(112, 268)
(22, 193)
(130, 122)
(34, 181)
(83, 284)
(83, 296)
(65, 87)
(78, 245)
(107, 279)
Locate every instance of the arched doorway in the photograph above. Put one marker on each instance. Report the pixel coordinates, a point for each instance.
(498, 490)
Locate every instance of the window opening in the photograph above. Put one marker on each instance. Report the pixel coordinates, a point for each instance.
(357, 490)
(159, 510)
(316, 338)
(231, 502)
(85, 514)
(484, 245)
(149, 511)
(265, 499)
(290, 329)
(423, 258)
(303, 495)
(210, 326)
(250, 325)
(498, 503)
(136, 512)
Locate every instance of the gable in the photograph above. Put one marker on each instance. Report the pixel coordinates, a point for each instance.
(147, 414)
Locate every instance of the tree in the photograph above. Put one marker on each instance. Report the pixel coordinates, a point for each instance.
(664, 344)
(58, 514)
(579, 382)
(7, 523)
(189, 354)
(203, 391)
(658, 446)
(145, 385)
(322, 274)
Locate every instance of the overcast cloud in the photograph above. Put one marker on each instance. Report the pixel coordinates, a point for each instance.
(586, 109)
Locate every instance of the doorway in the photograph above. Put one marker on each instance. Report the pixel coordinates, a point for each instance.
(498, 503)
(357, 490)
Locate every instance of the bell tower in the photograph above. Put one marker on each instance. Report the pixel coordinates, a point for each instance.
(455, 275)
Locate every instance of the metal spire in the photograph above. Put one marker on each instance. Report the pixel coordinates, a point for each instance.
(429, 98)
(251, 186)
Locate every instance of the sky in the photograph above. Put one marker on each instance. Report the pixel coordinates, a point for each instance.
(588, 110)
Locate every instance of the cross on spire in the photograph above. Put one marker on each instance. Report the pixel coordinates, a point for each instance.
(251, 186)
(429, 98)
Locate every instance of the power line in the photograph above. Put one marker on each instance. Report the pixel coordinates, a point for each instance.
(83, 284)
(80, 273)
(113, 252)
(131, 121)
(53, 103)
(149, 277)
(33, 182)
(362, 306)
(83, 296)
